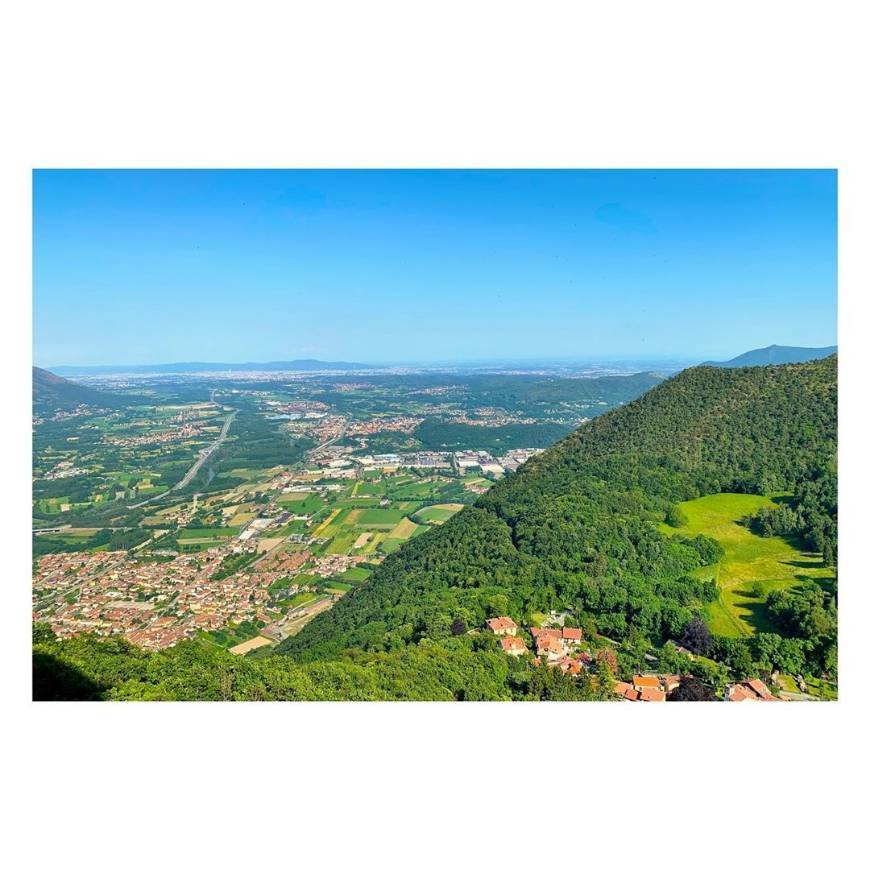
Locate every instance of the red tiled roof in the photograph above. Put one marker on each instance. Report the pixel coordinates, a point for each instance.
(549, 644)
(758, 687)
(641, 682)
(499, 623)
(512, 643)
(572, 633)
(647, 694)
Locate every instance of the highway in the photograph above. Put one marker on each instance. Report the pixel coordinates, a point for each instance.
(204, 454)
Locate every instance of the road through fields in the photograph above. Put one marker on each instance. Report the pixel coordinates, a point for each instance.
(204, 454)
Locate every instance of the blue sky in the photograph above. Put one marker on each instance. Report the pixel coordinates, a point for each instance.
(380, 266)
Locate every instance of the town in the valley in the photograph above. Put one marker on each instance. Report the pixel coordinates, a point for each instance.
(234, 508)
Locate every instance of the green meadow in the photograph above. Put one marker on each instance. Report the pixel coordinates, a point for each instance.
(437, 513)
(383, 518)
(752, 566)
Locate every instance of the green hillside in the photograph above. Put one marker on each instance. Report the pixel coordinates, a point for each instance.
(52, 393)
(752, 565)
(578, 526)
(577, 529)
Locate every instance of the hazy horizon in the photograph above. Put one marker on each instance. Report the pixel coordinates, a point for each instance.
(598, 360)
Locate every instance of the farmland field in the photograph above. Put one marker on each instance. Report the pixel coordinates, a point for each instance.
(216, 532)
(404, 529)
(771, 563)
(382, 518)
(437, 513)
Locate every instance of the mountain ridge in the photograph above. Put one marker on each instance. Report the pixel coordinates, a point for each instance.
(774, 354)
(51, 391)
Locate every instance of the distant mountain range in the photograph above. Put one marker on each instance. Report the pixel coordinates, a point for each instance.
(775, 354)
(295, 365)
(52, 392)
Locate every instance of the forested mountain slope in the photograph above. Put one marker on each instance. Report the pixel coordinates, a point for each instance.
(576, 529)
(577, 526)
(53, 393)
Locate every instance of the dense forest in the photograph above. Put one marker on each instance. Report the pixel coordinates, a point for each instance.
(87, 668)
(576, 529)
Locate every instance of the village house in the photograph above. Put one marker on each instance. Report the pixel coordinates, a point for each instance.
(549, 647)
(513, 646)
(750, 690)
(572, 636)
(502, 625)
(646, 687)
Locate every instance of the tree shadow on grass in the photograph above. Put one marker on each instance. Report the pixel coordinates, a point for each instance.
(55, 680)
(753, 609)
(756, 614)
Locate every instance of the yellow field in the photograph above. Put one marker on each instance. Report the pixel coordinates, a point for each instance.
(403, 529)
(254, 643)
(318, 532)
(264, 545)
(362, 540)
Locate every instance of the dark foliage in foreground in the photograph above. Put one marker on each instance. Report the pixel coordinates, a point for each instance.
(88, 668)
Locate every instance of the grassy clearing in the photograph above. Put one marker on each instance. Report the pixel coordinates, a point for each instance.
(309, 504)
(301, 598)
(752, 567)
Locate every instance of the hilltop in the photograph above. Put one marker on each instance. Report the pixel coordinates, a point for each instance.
(775, 354)
(54, 393)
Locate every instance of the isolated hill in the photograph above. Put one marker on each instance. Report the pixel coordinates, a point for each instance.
(577, 525)
(774, 355)
(296, 365)
(52, 392)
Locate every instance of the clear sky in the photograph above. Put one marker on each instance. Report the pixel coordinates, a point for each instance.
(389, 266)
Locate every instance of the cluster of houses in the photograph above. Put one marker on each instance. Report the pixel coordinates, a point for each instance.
(647, 687)
(556, 647)
(153, 604)
(560, 647)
